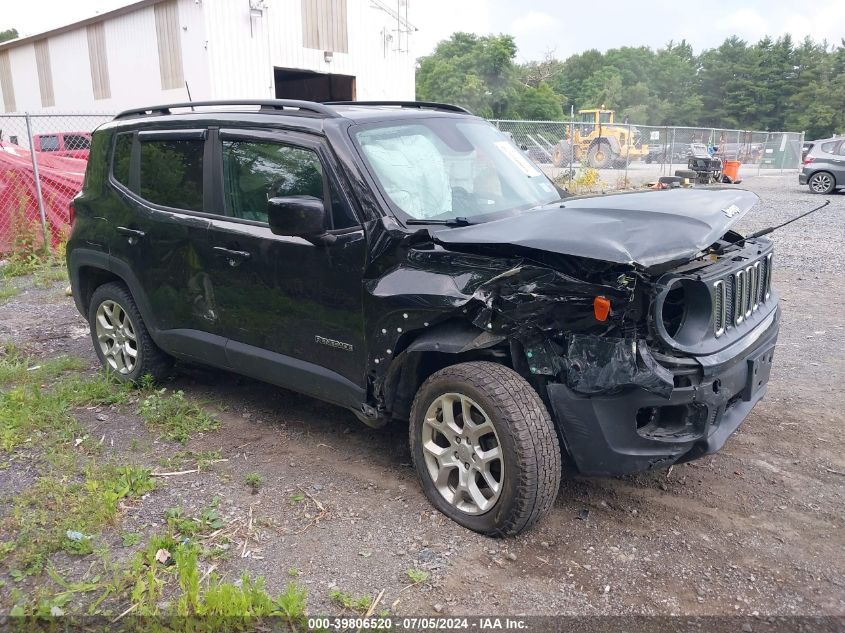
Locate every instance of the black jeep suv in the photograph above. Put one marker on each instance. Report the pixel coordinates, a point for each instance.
(406, 261)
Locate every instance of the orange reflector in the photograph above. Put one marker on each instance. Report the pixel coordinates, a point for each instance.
(601, 308)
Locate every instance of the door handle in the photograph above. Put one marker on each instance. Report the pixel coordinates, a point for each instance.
(234, 257)
(134, 235)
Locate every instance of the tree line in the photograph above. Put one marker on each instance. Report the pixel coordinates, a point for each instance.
(774, 84)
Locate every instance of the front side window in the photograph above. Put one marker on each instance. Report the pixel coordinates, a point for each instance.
(441, 168)
(49, 143)
(171, 173)
(255, 171)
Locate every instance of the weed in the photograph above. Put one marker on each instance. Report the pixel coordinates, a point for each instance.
(418, 576)
(45, 515)
(347, 601)
(293, 572)
(292, 602)
(585, 180)
(176, 417)
(130, 539)
(297, 498)
(7, 292)
(49, 272)
(254, 481)
(81, 545)
(208, 521)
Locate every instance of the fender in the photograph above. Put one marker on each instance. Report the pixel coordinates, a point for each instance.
(407, 370)
(80, 257)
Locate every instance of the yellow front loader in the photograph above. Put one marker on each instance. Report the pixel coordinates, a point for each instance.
(600, 143)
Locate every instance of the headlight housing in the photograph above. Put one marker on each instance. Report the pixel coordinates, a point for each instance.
(683, 311)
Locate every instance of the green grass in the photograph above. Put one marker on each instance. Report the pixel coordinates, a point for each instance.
(254, 481)
(36, 412)
(360, 604)
(74, 506)
(54, 505)
(7, 292)
(208, 521)
(418, 576)
(176, 418)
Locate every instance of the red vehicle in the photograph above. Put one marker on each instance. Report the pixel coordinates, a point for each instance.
(68, 144)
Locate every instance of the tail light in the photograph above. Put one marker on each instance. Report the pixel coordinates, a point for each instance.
(809, 160)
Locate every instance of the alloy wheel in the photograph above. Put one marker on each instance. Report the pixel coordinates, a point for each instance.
(462, 453)
(821, 183)
(116, 337)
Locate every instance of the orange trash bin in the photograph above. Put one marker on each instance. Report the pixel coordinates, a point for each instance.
(730, 170)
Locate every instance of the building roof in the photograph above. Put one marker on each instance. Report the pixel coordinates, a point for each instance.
(129, 8)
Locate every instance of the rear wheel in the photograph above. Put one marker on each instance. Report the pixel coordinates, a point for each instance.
(821, 182)
(600, 156)
(120, 338)
(485, 448)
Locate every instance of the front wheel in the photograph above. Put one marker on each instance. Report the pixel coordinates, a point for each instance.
(600, 156)
(485, 448)
(821, 182)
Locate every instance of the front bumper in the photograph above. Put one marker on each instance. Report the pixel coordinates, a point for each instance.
(635, 430)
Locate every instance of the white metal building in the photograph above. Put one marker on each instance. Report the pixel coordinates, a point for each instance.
(154, 51)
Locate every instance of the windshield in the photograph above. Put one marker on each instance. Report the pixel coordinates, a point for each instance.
(442, 168)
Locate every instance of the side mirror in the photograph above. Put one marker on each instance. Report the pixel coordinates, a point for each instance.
(300, 216)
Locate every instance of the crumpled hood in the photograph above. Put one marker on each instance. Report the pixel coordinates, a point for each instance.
(646, 229)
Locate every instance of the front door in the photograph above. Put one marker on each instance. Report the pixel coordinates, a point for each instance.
(292, 310)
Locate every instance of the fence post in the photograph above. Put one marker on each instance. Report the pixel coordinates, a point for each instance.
(628, 155)
(37, 183)
(571, 141)
(672, 155)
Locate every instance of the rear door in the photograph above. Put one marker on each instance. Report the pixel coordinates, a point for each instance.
(162, 231)
(838, 164)
(292, 310)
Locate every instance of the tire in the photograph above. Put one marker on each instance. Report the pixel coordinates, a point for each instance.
(689, 174)
(670, 181)
(822, 182)
(600, 156)
(513, 418)
(113, 310)
(562, 154)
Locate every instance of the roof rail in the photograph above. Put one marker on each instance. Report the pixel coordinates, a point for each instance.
(447, 107)
(267, 105)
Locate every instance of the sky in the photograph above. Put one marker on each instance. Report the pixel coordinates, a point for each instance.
(559, 26)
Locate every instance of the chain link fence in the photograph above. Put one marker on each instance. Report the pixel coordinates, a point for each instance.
(42, 166)
(610, 156)
(43, 159)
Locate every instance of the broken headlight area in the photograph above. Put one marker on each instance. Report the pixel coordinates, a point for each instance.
(596, 364)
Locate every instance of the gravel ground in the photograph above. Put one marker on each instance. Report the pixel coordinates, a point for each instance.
(757, 528)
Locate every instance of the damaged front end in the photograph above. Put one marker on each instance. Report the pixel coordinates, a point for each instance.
(628, 388)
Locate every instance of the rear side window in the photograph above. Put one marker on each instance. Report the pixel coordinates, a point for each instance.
(121, 158)
(828, 148)
(49, 143)
(255, 171)
(171, 173)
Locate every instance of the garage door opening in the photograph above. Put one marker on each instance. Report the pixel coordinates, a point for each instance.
(311, 86)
